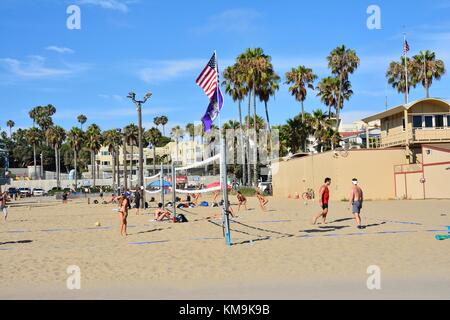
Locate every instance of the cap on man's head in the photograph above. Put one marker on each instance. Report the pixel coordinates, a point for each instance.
(355, 181)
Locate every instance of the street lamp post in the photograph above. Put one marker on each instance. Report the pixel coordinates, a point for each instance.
(139, 104)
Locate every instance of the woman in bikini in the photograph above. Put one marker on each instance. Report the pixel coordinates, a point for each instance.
(242, 200)
(262, 200)
(123, 214)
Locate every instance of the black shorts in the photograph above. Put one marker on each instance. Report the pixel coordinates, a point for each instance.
(325, 206)
(137, 204)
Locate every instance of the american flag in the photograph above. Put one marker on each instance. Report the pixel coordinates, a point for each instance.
(208, 80)
(405, 48)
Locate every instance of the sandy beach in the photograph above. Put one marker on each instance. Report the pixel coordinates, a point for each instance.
(276, 254)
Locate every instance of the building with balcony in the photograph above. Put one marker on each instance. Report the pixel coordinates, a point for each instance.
(412, 125)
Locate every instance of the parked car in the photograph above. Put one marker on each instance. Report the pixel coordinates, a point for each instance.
(12, 191)
(38, 192)
(25, 192)
(265, 187)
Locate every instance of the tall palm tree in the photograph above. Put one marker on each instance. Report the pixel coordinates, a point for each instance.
(153, 136)
(427, 68)
(164, 120)
(34, 137)
(82, 120)
(110, 138)
(269, 86)
(396, 76)
(157, 121)
(10, 124)
(256, 67)
(94, 141)
(236, 89)
(343, 62)
(190, 130)
(75, 139)
(56, 136)
(296, 131)
(177, 134)
(132, 135)
(300, 79)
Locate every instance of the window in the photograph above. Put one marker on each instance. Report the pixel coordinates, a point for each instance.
(428, 121)
(417, 121)
(439, 121)
(448, 121)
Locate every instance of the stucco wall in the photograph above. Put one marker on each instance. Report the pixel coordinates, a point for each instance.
(374, 169)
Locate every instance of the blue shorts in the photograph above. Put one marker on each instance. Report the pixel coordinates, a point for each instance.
(357, 206)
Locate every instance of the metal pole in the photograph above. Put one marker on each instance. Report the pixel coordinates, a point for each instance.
(141, 153)
(224, 185)
(161, 184)
(174, 192)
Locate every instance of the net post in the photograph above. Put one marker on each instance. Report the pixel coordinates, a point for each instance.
(161, 185)
(174, 192)
(224, 185)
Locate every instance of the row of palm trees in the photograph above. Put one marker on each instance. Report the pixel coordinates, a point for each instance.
(423, 68)
(45, 132)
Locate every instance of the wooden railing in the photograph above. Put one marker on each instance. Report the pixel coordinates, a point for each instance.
(416, 136)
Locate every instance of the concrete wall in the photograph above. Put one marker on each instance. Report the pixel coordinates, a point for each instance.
(374, 169)
(50, 184)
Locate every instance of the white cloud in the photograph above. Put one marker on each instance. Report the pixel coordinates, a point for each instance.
(234, 20)
(168, 70)
(61, 50)
(116, 5)
(35, 68)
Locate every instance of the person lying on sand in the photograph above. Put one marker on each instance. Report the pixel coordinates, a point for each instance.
(262, 200)
(242, 201)
(160, 213)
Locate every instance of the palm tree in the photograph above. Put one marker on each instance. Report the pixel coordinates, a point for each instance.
(110, 138)
(300, 79)
(319, 124)
(34, 137)
(75, 139)
(427, 68)
(190, 129)
(94, 142)
(256, 67)
(153, 136)
(82, 120)
(296, 132)
(177, 134)
(157, 121)
(56, 136)
(343, 62)
(164, 120)
(396, 75)
(132, 135)
(10, 124)
(236, 89)
(268, 88)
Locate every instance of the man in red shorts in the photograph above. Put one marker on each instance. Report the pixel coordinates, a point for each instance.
(324, 198)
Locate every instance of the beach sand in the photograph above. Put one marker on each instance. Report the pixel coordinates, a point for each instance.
(276, 254)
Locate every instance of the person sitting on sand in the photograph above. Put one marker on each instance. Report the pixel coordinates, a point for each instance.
(242, 201)
(64, 197)
(124, 204)
(324, 196)
(262, 200)
(160, 213)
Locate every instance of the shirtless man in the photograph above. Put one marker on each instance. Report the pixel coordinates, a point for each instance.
(356, 202)
(242, 200)
(324, 196)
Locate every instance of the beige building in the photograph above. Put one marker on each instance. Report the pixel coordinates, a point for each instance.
(411, 160)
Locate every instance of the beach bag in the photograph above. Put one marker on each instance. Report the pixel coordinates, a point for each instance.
(204, 204)
(181, 218)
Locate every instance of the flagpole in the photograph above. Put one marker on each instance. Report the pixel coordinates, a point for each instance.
(405, 53)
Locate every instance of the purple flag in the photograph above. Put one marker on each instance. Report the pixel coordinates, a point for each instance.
(215, 105)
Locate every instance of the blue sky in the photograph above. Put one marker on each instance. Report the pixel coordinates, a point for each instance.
(162, 46)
